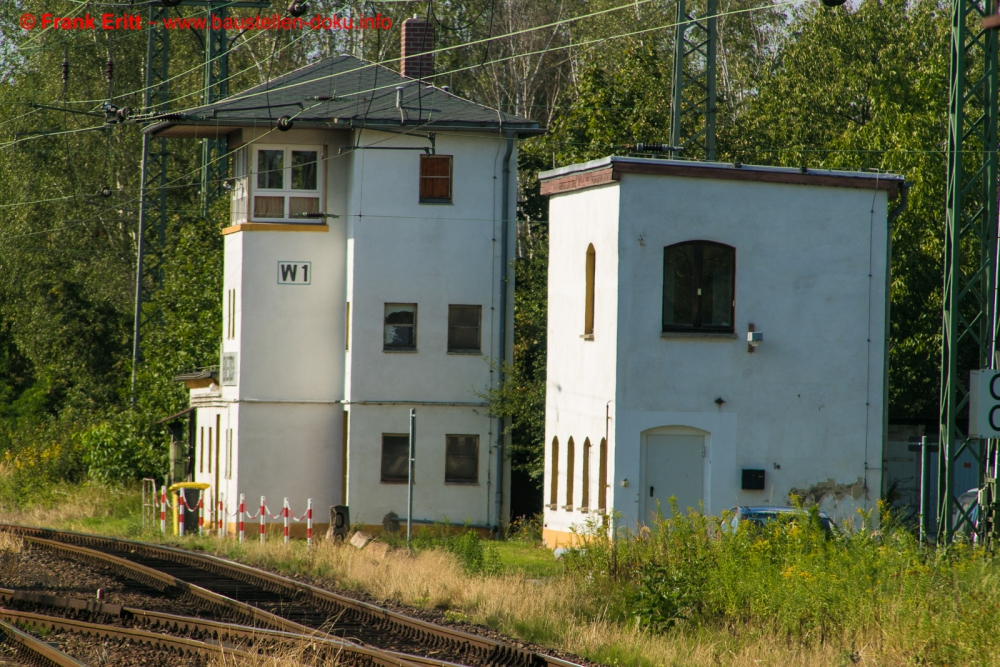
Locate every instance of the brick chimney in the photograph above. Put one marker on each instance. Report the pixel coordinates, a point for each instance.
(418, 38)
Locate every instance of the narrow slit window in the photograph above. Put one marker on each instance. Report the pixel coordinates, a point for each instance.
(201, 455)
(585, 500)
(588, 315)
(395, 459)
(209, 449)
(461, 464)
(435, 179)
(554, 475)
(570, 456)
(602, 477)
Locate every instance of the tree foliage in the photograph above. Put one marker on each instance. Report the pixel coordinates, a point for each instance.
(863, 86)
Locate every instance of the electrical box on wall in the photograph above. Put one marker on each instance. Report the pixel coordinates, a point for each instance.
(753, 479)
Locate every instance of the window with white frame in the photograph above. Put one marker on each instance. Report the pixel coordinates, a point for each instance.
(287, 182)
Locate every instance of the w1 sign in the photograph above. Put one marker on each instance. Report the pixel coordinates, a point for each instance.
(984, 404)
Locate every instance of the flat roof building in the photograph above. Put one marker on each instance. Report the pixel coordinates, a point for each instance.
(717, 335)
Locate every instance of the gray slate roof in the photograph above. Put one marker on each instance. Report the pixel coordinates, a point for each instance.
(363, 94)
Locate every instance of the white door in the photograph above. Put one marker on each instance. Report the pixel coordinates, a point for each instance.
(675, 466)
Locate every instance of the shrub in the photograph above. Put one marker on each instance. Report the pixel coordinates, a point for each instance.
(120, 449)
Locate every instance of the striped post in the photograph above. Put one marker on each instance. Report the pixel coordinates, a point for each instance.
(163, 509)
(284, 517)
(243, 509)
(201, 513)
(309, 523)
(263, 517)
(181, 502)
(222, 514)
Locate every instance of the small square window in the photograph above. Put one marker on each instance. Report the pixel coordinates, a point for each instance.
(400, 326)
(464, 328)
(461, 465)
(395, 459)
(435, 179)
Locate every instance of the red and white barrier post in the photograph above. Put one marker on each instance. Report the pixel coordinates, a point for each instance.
(284, 516)
(309, 523)
(163, 509)
(243, 509)
(222, 515)
(181, 502)
(263, 517)
(201, 514)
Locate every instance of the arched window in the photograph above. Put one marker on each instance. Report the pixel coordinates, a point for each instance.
(588, 315)
(699, 287)
(570, 455)
(602, 477)
(554, 480)
(585, 500)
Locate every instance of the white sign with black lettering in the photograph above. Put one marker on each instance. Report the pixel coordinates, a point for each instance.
(294, 273)
(984, 404)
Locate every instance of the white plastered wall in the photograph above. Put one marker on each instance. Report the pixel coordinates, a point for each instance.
(433, 255)
(806, 406)
(580, 390)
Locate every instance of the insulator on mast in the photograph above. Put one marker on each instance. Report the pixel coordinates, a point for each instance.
(110, 69)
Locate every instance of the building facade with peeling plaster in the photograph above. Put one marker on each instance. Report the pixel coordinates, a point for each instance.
(367, 273)
(717, 335)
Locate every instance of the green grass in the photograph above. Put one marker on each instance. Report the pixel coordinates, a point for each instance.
(528, 558)
(676, 593)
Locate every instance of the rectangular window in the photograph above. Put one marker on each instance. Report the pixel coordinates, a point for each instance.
(461, 463)
(435, 179)
(395, 458)
(270, 170)
(400, 326)
(288, 184)
(464, 329)
(698, 287)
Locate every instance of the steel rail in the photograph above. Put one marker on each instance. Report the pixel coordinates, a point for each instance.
(178, 645)
(35, 651)
(481, 650)
(165, 583)
(157, 621)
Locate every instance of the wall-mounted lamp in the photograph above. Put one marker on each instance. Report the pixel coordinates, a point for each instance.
(625, 482)
(754, 338)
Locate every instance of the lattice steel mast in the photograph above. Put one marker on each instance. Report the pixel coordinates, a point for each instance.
(692, 113)
(968, 337)
(215, 167)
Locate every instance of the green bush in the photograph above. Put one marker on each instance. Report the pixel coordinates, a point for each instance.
(121, 449)
(791, 578)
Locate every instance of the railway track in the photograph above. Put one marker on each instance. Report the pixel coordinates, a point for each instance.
(187, 634)
(29, 650)
(267, 600)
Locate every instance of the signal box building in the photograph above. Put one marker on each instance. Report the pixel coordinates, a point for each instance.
(717, 334)
(366, 274)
